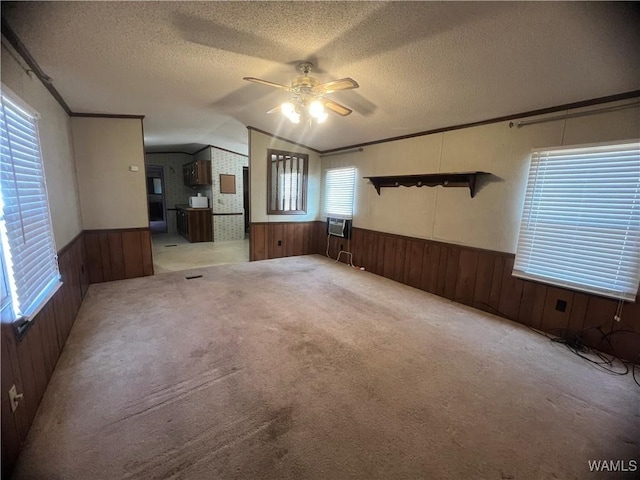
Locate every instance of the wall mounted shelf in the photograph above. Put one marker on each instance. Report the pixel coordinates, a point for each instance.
(458, 179)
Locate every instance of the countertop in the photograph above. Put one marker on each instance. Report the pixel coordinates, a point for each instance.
(187, 207)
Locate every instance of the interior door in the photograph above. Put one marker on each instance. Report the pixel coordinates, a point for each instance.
(245, 198)
(156, 199)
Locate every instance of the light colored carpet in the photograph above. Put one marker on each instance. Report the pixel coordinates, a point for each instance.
(183, 255)
(299, 368)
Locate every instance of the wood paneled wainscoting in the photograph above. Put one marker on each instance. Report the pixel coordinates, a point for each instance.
(482, 279)
(118, 254)
(283, 239)
(28, 361)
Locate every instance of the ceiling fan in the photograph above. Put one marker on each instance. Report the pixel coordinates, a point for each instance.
(308, 96)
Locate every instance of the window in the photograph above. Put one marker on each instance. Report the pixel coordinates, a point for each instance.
(581, 220)
(287, 182)
(5, 298)
(29, 261)
(339, 192)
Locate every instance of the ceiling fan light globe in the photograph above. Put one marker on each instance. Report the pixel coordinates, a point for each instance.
(294, 117)
(316, 109)
(322, 117)
(287, 108)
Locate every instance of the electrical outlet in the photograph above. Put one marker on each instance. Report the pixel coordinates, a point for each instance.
(279, 243)
(14, 397)
(561, 305)
(341, 247)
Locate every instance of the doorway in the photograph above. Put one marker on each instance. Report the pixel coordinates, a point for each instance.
(156, 199)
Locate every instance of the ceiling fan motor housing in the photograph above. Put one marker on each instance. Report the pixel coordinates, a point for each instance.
(306, 90)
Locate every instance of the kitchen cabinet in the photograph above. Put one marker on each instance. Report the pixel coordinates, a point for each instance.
(197, 173)
(195, 224)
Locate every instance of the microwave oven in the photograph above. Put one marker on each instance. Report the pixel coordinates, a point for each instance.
(198, 202)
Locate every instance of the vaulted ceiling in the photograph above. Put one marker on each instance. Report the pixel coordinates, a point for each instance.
(420, 65)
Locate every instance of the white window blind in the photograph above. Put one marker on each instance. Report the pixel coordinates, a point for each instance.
(581, 220)
(29, 251)
(340, 188)
(5, 297)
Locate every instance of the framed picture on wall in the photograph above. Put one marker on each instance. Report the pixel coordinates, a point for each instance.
(227, 183)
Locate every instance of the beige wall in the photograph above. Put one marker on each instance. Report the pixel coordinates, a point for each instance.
(111, 195)
(56, 145)
(259, 143)
(491, 219)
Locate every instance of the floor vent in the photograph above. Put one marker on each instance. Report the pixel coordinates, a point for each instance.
(194, 276)
(172, 245)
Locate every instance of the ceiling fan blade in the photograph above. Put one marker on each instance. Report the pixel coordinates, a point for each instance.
(335, 85)
(275, 109)
(266, 82)
(336, 107)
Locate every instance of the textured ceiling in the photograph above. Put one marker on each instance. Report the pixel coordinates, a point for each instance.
(420, 65)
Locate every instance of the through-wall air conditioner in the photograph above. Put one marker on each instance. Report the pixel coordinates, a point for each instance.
(339, 227)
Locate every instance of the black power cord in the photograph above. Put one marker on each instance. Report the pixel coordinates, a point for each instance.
(573, 340)
(636, 362)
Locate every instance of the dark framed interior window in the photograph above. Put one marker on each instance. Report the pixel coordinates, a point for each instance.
(286, 182)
